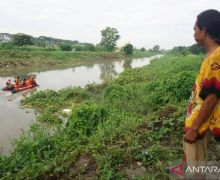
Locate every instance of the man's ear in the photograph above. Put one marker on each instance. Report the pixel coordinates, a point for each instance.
(204, 31)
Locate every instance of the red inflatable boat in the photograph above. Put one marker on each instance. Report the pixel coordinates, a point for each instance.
(18, 88)
(23, 88)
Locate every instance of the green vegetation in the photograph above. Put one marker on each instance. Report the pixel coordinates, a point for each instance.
(109, 38)
(85, 47)
(128, 49)
(45, 42)
(26, 53)
(156, 48)
(127, 128)
(142, 49)
(182, 50)
(66, 47)
(30, 59)
(22, 40)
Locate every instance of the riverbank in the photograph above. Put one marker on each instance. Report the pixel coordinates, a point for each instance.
(58, 79)
(28, 60)
(129, 127)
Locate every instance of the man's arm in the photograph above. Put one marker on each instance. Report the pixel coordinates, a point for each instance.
(206, 110)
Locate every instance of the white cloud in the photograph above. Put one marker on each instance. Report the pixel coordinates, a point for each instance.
(141, 22)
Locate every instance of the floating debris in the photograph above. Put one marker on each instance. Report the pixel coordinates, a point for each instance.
(66, 111)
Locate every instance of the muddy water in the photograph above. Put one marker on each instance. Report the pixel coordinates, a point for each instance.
(13, 119)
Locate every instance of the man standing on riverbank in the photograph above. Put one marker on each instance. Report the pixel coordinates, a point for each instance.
(203, 113)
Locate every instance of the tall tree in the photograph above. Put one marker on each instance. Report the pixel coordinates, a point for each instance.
(22, 40)
(156, 48)
(109, 38)
(142, 49)
(128, 49)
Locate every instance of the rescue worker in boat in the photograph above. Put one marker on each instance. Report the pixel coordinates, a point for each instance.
(24, 83)
(27, 82)
(31, 81)
(18, 81)
(9, 84)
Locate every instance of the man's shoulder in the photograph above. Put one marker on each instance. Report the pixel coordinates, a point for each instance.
(215, 60)
(216, 56)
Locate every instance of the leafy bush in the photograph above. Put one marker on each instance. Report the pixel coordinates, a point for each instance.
(66, 47)
(85, 119)
(100, 48)
(22, 40)
(179, 86)
(84, 47)
(128, 49)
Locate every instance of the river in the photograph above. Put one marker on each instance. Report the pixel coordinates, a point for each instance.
(14, 119)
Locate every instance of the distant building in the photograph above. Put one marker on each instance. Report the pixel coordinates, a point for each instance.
(5, 37)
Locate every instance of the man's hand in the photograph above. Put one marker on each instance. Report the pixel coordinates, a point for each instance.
(207, 107)
(190, 136)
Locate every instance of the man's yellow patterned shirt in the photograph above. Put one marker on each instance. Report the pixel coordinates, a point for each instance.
(207, 82)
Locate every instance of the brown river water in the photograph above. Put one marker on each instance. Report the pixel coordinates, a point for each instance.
(14, 119)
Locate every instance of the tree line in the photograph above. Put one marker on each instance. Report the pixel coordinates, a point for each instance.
(108, 43)
(183, 50)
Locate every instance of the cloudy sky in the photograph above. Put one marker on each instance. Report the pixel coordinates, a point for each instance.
(143, 23)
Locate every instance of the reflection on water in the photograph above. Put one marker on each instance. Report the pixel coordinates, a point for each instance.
(89, 65)
(13, 119)
(127, 63)
(108, 71)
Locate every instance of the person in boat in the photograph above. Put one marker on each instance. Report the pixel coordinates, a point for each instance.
(31, 81)
(9, 84)
(27, 82)
(18, 81)
(24, 83)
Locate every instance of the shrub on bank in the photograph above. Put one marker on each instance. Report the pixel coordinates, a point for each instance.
(66, 47)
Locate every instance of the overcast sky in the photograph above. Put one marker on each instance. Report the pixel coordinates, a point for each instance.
(143, 23)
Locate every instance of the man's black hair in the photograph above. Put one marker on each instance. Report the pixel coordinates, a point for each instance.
(210, 20)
